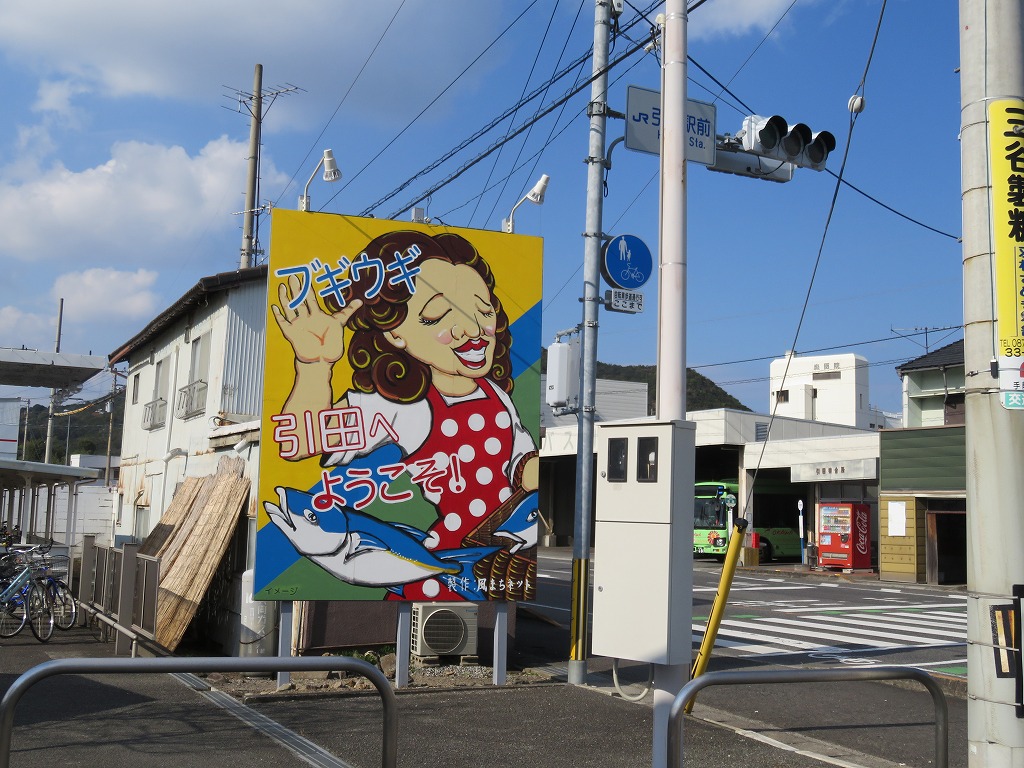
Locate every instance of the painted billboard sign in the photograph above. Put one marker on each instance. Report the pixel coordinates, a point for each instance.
(401, 412)
(1006, 119)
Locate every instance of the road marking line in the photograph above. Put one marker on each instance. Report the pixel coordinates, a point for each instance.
(907, 607)
(849, 624)
(801, 629)
(300, 746)
(734, 645)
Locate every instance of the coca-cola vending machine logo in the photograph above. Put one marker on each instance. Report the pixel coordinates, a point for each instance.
(861, 520)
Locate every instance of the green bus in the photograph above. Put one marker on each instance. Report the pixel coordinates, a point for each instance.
(714, 503)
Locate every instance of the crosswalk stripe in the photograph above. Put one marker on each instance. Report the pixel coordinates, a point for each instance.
(876, 607)
(959, 615)
(749, 648)
(725, 634)
(917, 620)
(876, 628)
(803, 629)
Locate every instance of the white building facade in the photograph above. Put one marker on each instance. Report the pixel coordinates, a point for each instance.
(831, 388)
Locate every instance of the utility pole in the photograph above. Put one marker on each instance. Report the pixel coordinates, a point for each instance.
(24, 433)
(256, 111)
(53, 392)
(593, 239)
(992, 155)
(110, 425)
(249, 214)
(671, 376)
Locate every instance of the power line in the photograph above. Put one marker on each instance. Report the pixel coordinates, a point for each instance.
(569, 69)
(554, 105)
(831, 348)
(344, 97)
(421, 113)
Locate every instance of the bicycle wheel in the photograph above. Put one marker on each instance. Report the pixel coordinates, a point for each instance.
(65, 607)
(12, 617)
(40, 613)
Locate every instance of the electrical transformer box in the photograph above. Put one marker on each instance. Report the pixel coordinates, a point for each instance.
(643, 541)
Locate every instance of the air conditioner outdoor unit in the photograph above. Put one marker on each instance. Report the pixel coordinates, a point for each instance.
(444, 629)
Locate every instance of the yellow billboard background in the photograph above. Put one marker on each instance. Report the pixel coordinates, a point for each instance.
(387, 504)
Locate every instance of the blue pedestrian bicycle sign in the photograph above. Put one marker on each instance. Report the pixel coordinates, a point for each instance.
(627, 262)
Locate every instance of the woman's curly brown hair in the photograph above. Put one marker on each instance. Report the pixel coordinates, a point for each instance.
(379, 366)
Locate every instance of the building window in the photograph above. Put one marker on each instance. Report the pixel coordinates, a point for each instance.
(135, 389)
(192, 397)
(760, 431)
(827, 375)
(154, 414)
(782, 396)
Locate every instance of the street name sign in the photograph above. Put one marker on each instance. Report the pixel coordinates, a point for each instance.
(643, 125)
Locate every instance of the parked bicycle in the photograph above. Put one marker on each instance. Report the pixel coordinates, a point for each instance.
(22, 599)
(9, 536)
(49, 571)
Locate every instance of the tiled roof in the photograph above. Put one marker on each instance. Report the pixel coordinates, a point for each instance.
(949, 356)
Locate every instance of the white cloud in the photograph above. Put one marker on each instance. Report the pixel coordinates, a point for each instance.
(190, 49)
(107, 294)
(737, 17)
(54, 96)
(19, 328)
(146, 200)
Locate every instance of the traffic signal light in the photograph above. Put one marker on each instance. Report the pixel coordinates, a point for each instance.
(773, 137)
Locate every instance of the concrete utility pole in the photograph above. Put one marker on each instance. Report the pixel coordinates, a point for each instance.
(53, 392)
(992, 157)
(588, 348)
(671, 377)
(249, 214)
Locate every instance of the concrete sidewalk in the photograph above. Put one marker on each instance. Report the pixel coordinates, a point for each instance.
(158, 720)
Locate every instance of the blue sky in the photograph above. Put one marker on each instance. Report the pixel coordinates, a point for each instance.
(123, 161)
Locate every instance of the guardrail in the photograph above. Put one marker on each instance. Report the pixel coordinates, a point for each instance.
(389, 758)
(761, 677)
(119, 587)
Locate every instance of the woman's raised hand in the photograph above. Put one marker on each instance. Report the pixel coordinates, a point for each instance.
(315, 336)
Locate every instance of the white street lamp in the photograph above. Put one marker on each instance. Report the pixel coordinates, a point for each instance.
(331, 173)
(535, 195)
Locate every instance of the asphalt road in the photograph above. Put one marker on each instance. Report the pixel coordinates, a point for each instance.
(780, 616)
(155, 720)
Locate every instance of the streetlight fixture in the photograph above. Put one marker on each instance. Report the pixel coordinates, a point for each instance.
(535, 196)
(331, 173)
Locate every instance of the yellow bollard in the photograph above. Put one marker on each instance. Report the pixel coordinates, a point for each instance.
(732, 556)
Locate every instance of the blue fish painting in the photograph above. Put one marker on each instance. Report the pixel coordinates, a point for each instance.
(361, 549)
(520, 527)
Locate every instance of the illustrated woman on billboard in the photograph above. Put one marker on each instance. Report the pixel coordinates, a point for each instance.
(430, 352)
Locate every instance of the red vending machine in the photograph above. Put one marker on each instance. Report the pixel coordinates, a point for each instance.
(844, 536)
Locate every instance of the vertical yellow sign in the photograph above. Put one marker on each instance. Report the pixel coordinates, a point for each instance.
(1006, 148)
(401, 412)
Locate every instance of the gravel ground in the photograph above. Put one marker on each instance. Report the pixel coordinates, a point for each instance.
(243, 687)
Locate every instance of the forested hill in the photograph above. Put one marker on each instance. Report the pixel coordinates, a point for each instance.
(81, 430)
(701, 392)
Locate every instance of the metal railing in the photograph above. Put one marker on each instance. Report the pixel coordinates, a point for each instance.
(191, 400)
(119, 588)
(762, 677)
(154, 414)
(389, 756)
